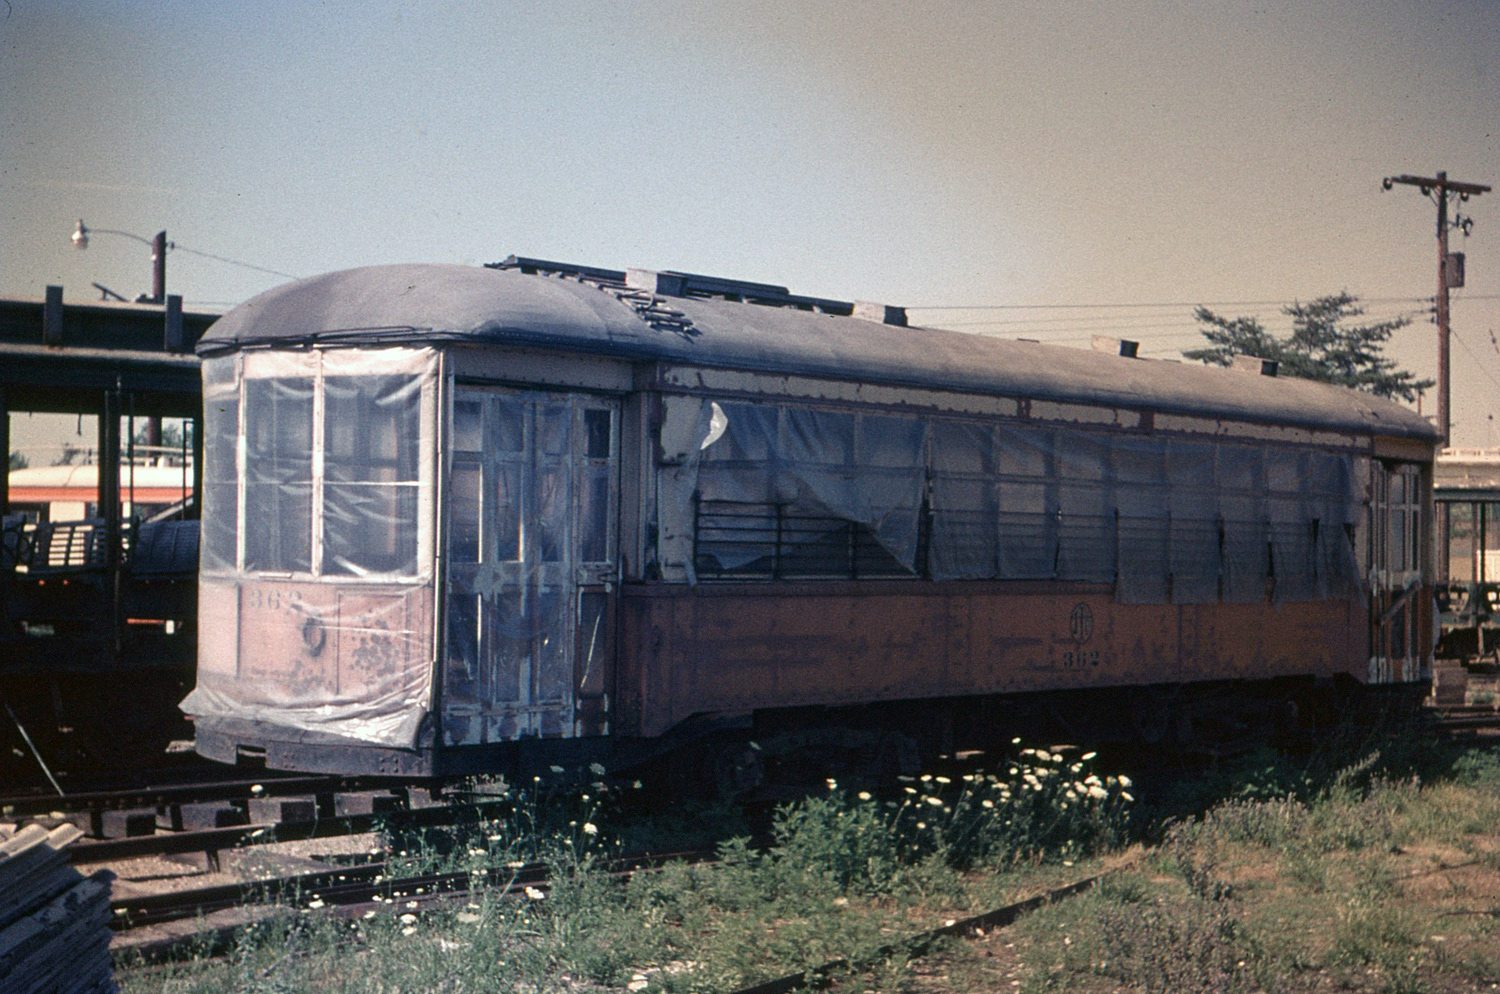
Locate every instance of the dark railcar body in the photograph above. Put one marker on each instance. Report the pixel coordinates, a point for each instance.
(458, 516)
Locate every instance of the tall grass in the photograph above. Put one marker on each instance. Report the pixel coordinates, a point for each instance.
(841, 878)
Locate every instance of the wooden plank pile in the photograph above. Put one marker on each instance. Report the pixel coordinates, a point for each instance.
(54, 922)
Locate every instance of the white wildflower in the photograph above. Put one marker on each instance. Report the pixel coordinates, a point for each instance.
(864, 795)
(1097, 793)
(515, 864)
(1091, 780)
(408, 919)
(1124, 780)
(370, 914)
(589, 828)
(1075, 768)
(926, 777)
(1126, 795)
(467, 917)
(943, 780)
(1088, 756)
(936, 802)
(315, 903)
(534, 894)
(409, 930)
(556, 769)
(1016, 741)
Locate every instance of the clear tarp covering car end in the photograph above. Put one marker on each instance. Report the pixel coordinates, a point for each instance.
(316, 589)
(782, 486)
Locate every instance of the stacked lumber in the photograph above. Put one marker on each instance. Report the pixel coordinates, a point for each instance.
(54, 922)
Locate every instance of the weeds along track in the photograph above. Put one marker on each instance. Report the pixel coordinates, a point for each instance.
(344, 892)
(922, 943)
(352, 891)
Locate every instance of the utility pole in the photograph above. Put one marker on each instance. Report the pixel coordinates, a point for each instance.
(1450, 267)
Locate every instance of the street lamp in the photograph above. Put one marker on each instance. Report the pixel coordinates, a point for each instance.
(159, 246)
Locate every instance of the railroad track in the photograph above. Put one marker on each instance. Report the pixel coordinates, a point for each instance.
(218, 814)
(353, 891)
(1465, 719)
(345, 892)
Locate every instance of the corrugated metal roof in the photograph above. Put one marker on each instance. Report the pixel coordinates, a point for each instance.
(390, 304)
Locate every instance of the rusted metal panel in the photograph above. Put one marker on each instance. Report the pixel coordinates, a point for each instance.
(689, 651)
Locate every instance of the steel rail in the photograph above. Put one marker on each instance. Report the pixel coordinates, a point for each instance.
(216, 839)
(358, 885)
(195, 792)
(340, 898)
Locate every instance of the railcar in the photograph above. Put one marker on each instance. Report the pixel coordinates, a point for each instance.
(461, 518)
(1466, 495)
(98, 560)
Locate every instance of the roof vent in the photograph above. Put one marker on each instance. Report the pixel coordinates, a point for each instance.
(669, 283)
(884, 313)
(1252, 364)
(1116, 346)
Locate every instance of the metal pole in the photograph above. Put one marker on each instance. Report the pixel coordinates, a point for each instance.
(1443, 412)
(1443, 186)
(159, 268)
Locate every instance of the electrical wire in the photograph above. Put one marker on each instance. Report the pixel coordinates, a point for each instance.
(233, 262)
(1177, 303)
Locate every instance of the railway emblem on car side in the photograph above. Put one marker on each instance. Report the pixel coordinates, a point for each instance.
(1081, 623)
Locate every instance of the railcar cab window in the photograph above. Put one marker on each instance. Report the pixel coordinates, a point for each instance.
(319, 460)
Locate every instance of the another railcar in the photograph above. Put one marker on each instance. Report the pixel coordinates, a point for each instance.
(458, 517)
(1466, 491)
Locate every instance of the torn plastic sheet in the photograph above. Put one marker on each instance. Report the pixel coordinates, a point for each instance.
(1163, 519)
(865, 468)
(221, 420)
(331, 658)
(319, 514)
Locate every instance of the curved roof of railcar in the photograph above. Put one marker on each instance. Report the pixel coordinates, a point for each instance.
(427, 303)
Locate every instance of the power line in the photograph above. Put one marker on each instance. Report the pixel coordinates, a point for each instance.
(1175, 303)
(1496, 380)
(233, 262)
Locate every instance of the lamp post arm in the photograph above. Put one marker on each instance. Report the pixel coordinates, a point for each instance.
(113, 231)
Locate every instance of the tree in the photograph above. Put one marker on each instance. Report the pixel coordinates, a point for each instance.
(1323, 346)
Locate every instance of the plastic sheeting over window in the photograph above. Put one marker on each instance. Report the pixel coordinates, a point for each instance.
(334, 480)
(1163, 519)
(531, 542)
(817, 470)
(319, 518)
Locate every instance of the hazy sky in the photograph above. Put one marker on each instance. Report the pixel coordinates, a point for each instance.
(920, 154)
